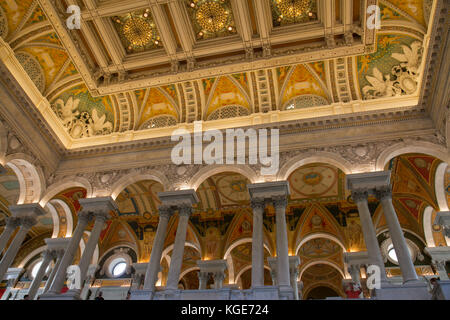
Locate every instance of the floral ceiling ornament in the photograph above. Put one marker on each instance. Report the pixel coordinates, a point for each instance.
(82, 124)
(403, 79)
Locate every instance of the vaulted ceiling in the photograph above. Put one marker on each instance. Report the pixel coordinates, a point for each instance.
(144, 66)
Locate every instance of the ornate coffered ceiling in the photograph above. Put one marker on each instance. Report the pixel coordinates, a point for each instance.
(138, 69)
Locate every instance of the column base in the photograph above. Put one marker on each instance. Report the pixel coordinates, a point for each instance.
(411, 290)
(142, 294)
(444, 293)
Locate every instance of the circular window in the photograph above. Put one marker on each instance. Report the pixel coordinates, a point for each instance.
(118, 267)
(393, 255)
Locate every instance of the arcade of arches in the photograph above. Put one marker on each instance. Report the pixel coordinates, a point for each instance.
(322, 219)
(92, 200)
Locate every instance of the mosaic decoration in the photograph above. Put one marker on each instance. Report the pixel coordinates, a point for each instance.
(140, 199)
(226, 93)
(157, 104)
(32, 68)
(137, 31)
(301, 82)
(37, 16)
(51, 60)
(211, 18)
(319, 248)
(3, 24)
(413, 8)
(83, 115)
(316, 181)
(286, 12)
(15, 11)
(393, 70)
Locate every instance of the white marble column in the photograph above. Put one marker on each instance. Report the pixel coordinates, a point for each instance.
(218, 276)
(58, 255)
(398, 239)
(176, 259)
(90, 277)
(11, 225)
(100, 221)
(370, 237)
(47, 258)
(283, 276)
(58, 282)
(202, 280)
(258, 206)
(151, 276)
(294, 262)
(25, 225)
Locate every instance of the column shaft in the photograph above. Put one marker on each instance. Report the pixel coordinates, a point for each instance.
(283, 276)
(11, 225)
(11, 253)
(58, 282)
(86, 258)
(51, 277)
(151, 274)
(398, 239)
(40, 275)
(257, 244)
(178, 250)
(370, 237)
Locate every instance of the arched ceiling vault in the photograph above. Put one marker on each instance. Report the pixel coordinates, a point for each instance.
(99, 88)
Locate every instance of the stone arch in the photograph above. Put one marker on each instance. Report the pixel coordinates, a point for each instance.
(439, 186)
(228, 258)
(131, 178)
(316, 236)
(422, 147)
(55, 218)
(165, 253)
(319, 157)
(185, 272)
(31, 178)
(323, 284)
(427, 226)
(65, 184)
(313, 263)
(31, 255)
(68, 216)
(209, 171)
(3, 143)
(245, 269)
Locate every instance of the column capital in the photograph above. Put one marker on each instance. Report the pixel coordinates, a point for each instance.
(384, 192)
(101, 216)
(257, 203)
(165, 211)
(203, 275)
(85, 217)
(28, 222)
(279, 201)
(185, 210)
(12, 222)
(360, 195)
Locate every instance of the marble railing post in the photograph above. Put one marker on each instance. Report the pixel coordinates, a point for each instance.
(360, 197)
(283, 276)
(58, 254)
(12, 276)
(219, 276)
(86, 258)
(202, 280)
(184, 213)
(58, 282)
(398, 239)
(439, 257)
(258, 206)
(151, 275)
(11, 225)
(90, 276)
(26, 223)
(139, 270)
(294, 262)
(47, 258)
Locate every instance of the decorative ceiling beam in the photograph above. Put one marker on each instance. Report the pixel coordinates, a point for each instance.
(242, 18)
(183, 27)
(161, 21)
(263, 19)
